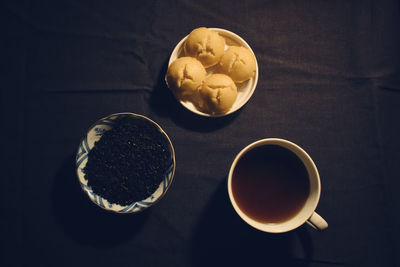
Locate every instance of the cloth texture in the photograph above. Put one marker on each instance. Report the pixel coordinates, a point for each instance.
(329, 81)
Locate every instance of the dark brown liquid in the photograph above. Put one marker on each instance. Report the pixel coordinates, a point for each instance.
(270, 184)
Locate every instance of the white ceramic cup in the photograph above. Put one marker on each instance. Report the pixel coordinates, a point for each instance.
(306, 214)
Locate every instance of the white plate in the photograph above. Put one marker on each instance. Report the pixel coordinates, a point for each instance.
(245, 89)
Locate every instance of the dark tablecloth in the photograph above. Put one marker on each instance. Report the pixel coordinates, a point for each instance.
(329, 81)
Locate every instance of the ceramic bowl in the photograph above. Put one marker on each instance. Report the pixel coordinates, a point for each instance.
(245, 89)
(88, 141)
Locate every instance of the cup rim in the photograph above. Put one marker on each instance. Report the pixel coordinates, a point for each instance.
(272, 228)
(172, 174)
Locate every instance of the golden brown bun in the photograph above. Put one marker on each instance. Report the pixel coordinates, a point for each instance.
(205, 45)
(217, 94)
(239, 63)
(184, 76)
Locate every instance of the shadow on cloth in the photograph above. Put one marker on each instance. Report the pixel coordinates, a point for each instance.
(164, 103)
(222, 239)
(82, 220)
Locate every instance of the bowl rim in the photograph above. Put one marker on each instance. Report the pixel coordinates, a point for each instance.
(166, 187)
(230, 34)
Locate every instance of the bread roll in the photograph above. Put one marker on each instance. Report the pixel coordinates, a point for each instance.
(217, 94)
(239, 63)
(205, 45)
(184, 76)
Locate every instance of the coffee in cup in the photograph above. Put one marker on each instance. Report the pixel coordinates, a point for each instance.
(274, 186)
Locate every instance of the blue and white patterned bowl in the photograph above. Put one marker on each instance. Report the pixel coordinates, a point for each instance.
(94, 134)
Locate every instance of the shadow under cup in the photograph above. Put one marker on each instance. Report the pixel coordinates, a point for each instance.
(277, 187)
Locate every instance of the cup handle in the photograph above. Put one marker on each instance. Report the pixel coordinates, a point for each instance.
(317, 222)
